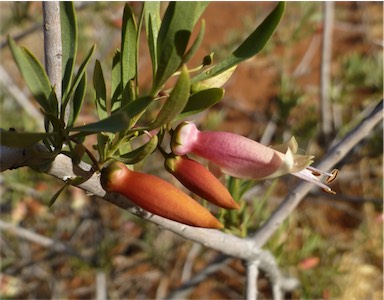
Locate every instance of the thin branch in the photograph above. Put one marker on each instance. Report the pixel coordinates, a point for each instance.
(252, 268)
(52, 46)
(190, 261)
(30, 236)
(101, 285)
(331, 158)
(186, 288)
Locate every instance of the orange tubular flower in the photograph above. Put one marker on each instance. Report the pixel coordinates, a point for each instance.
(156, 196)
(200, 180)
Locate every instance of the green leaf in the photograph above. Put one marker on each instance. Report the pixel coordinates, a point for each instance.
(59, 192)
(128, 52)
(78, 99)
(21, 139)
(196, 44)
(100, 91)
(102, 145)
(152, 25)
(175, 102)
(118, 121)
(69, 42)
(52, 99)
(200, 101)
(33, 74)
(140, 153)
(215, 81)
(116, 89)
(77, 80)
(175, 31)
(250, 47)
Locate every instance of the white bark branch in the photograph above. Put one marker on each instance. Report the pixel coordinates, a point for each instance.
(53, 47)
(252, 268)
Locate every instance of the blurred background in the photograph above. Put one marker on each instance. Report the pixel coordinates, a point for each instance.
(332, 243)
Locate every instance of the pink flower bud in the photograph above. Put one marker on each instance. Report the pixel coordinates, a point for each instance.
(241, 157)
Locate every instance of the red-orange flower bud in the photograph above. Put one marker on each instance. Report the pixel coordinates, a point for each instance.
(156, 196)
(200, 180)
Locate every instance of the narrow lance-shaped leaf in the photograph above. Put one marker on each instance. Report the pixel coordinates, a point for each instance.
(100, 91)
(33, 74)
(152, 26)
(137, 155)
(250, 47)
(176, 101)
(196, 44)
(118, 121)
(102, 145)
(78, 100)
(58, 193)
(128, 53)
(69, 42)
(116, 90)
(21, 139)
(200, 101)
(77, 80)
(175, 31)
